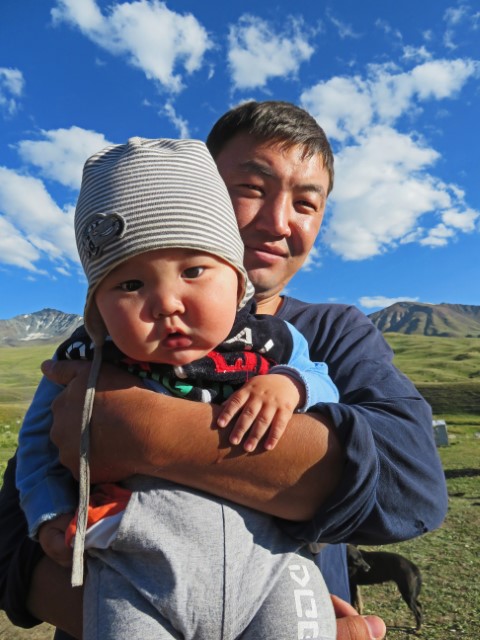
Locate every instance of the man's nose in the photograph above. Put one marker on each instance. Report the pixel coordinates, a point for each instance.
(275, 215)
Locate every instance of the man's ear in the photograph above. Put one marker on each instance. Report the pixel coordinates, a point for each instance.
(241, 288)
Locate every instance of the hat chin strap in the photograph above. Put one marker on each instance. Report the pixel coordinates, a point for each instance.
(84, 475)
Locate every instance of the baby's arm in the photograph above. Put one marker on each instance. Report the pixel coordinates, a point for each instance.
(267, 402)
(46, 489)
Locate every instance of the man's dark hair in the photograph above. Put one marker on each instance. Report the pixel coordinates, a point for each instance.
(274, 121)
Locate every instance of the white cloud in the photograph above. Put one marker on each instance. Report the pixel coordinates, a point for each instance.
(384, 189)
(380, 302)
(438, 236)
(343, 106)
(348, 106)
(344, 30)
(257, 53)
(455, 15)
(313, 260)
(448, 40)
(62, 153)
(11, 89)
(439, 79)
(62, 271)
(84, 13)
(462, 220)
(386, 193)
(416, 53)
(31, 217)
(178, 122)
(15, 249)
(388, 30)
(155, 39)
(33, 227)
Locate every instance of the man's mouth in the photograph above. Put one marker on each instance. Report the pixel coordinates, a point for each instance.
(268, 253)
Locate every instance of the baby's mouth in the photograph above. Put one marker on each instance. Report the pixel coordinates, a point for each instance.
(176, 340)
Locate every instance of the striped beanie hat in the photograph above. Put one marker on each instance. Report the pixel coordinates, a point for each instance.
(152, 194)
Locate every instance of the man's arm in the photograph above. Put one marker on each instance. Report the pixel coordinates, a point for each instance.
(52, 598)
(177, 440)
(392, 486)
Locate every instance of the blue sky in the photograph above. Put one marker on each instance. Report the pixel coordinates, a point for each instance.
(396, 87)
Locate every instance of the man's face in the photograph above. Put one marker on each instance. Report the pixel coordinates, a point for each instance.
(279, 199)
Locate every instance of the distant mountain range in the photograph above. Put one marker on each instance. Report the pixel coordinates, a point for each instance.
(413, 318)
(48, 325)
(440, 320)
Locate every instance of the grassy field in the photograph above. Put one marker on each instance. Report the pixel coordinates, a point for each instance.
(436, 360)
(445, 370)
(19, 377)
(448, 558)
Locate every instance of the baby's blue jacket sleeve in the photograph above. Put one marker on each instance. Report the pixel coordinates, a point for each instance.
(47, 489)
(319, 387)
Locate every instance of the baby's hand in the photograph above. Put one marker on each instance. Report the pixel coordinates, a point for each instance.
(51, 537)
(265, 403)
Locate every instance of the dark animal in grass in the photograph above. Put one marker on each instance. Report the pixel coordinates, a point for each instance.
(375, 567)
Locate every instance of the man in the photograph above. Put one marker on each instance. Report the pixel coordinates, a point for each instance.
(365, 470)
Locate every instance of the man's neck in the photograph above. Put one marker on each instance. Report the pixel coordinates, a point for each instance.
(269, 306)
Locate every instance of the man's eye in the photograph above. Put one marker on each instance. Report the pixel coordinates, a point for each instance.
(131, 285)
(193, 272)
(306, 206)
(250, 188)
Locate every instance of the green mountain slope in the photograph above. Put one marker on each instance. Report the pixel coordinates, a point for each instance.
(446, 371)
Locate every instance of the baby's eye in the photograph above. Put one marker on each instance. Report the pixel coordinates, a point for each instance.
(131, 285)
(193, 272)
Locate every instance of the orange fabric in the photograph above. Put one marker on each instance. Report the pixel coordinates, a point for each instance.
(106, 500)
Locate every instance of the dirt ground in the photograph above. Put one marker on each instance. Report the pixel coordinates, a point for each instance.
(9, 632)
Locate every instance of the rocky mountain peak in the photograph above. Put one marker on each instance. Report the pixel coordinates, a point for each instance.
(47, 325)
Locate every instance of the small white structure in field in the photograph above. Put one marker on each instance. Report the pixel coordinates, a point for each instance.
(440, 433)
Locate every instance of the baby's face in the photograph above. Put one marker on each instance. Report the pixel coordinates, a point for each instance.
(169, 305)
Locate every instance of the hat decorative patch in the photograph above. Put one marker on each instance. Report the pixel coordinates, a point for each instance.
(100, 231)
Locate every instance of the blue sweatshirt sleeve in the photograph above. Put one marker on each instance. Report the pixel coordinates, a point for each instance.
(393, 485)
(318, 385)
(46, 488)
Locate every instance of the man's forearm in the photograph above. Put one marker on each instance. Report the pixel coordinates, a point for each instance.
(52, 598)
(291, 481)
(138, 431)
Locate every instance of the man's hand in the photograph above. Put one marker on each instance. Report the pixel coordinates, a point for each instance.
(51, 537)
(352, 626)
(118, 396)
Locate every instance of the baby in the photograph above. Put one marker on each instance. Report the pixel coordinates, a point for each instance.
(169, 300)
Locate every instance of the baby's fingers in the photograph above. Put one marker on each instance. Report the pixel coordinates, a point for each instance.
(231, 407)
(256, 423)
(276, 431)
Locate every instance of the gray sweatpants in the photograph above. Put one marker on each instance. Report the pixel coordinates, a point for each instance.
(189, 566)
